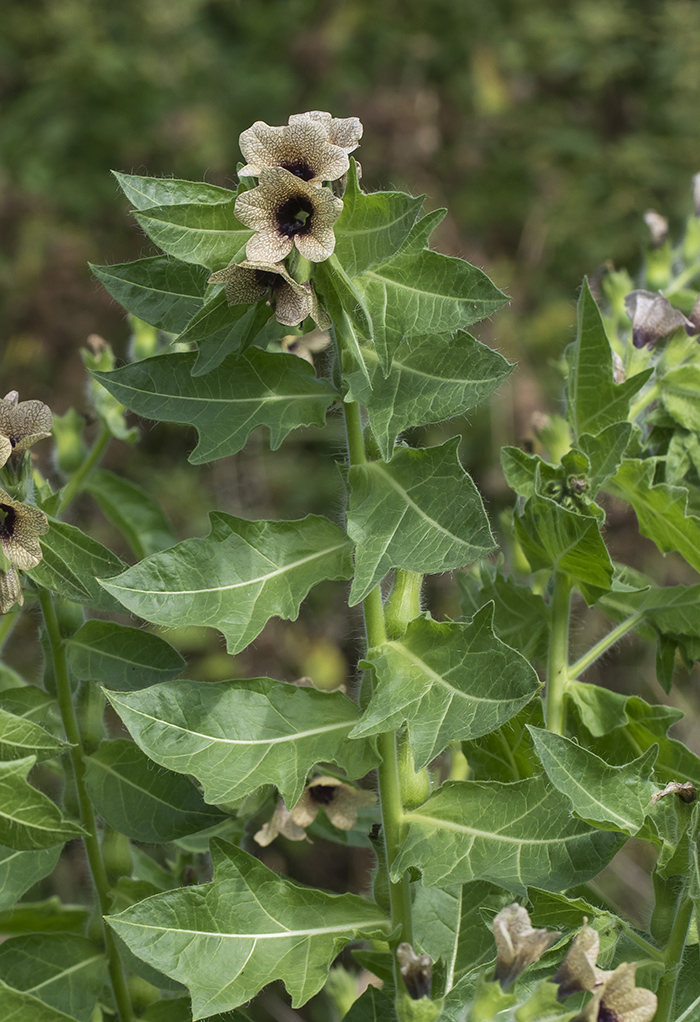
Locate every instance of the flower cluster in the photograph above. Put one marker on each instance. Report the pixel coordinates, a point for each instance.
(21, 425)
(290, 209)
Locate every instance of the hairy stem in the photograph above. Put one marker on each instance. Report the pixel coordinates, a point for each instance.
(673, 956)
(403, 604)
(87, 817)
(389, 791)
(77, 480)
(584, 662)
(557, 660)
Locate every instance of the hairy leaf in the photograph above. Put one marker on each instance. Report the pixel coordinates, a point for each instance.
(71, 564)
(121, 657)
(238, 577)
(159, 290)
(133, 511)
(207, 234)
(680, 395)
(234, 736)
(65, 971)
(220, 329)
(29, 820)
(521, 617)
(143, 192)
(20, 737)
(228, 939)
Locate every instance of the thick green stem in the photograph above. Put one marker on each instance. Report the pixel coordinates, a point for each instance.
(584, 662)
(87, 817)
(403, 603)
(557, 660)
(77, 480)
(673, 956)
(388, 775)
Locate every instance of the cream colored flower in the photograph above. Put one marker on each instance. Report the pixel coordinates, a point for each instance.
(344, 132)
(340, 802)
(302, 147)
(617, 999)
(10, 590)
(517, 943)
(579, 970)
(23, 423)
(248, 282)
(285, 211)
(279, 823)
(20, 525)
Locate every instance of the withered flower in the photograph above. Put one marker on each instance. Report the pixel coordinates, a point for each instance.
(617, 999)
(344, 132)
(248, 282)
(416, 971)
(517, 943)
(285, 211)
(23, 423)
(303, 147)
(339, 800)
(279, 823)
(10, 590)
(653, 317)
(686, 791)
(579, 970)
(20, 525)
(307, 345)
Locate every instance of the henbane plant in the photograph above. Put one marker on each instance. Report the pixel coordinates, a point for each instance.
(491, 782)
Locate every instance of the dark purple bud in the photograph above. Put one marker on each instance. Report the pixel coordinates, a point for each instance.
(653, 317)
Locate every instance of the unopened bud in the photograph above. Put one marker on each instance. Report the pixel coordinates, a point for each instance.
(416, 971)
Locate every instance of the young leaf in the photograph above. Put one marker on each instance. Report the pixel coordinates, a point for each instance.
(234, 736)
(513, 835)
(238, 577)
(18, 1006)
(143, 802)
(121, 657)
(143, 192)
(605, 452)
(29, 820)
(132, 510)
(65, 971)
(256, 388)
(207, 234)
(20, 737)
(432, 378)
(661, 510)
(228, 939)
(594, 400)
(617, 796)
(71, 563)
(159, 290)
(420, 511)
(448, 681)
(21, 870)
(680, 395)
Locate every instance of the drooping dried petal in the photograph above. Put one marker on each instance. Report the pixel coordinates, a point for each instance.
(517, 943)
(301, 147)
(416, 971)
(339, 800)
(10, 590)
(579, 970)
(279, 823)
(653, 317)
(25, 423)
(617, 999)
(20, 525)
(686, 791)
(285, 211)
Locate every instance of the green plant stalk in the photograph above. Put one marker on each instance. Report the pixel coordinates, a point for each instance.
(77, 480)
(673, 955)
(403, 604)
(387, 771)
(87, 817)
(557, 659)
(584, 662)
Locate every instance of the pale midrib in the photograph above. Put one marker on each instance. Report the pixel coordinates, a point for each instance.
(463, 299)
(65, 972)
(370, 924)
(115, 656)
(606, 809)
(157, 290)
(293, 737)
(459, 381)
(220, 589)
(438, 679)
(149, 794)
(184, 398)
(460, 828)
(375, 466)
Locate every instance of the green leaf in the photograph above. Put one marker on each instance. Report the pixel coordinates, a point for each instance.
(23, 1007)
(618, 796)
(234, 736)
(159, 290)
(132, 510)
(513, 835)
(680, 395)
(221, 329)
(207, 234)
(71, 564)
(601, 710)
(142, 801)
(143, 192)
(432, 378)
(29, 702)
(64, 971)
(594, 400)
(121, 657)
(236, 578)
(179, 1009)
(605, 452)
(520, 470)
(521, 617)
(661, 510)
(420, 511)
(21, 870)
(29, 820)
(49, 916)
(249, 926)
(507, 754)
(372, 1006)
(448, 682)
(256, 388)
(560, 540)
(372, 227)
(20, 737)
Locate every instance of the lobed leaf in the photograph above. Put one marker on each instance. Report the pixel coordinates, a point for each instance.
(21, 737)
(236, 578)
(448, 682)
(143, 192)
(680, 395)
(29, 820)
(207, 234)
(521, 617)
(71, 563)
(234, 736)
(256, 388)
(249, 926)
(420, 511)
(159, 290)
(64, 971)
(121, 657)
